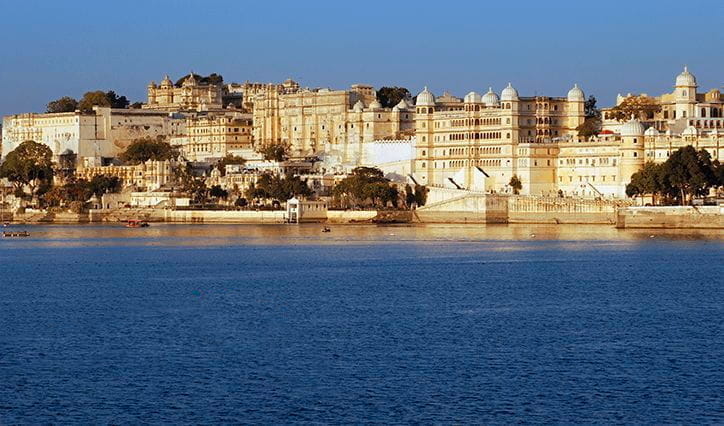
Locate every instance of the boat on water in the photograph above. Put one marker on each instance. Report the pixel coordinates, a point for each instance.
(136, 223)
(8, 234)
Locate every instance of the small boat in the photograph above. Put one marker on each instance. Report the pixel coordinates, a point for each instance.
(16, 234)
(136, 223)
(326, 229)
(6, 224)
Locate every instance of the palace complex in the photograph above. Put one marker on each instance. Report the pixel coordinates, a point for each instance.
(191, 96)
(323, 122)
(215, 136)
(478, 142)
(101, 135)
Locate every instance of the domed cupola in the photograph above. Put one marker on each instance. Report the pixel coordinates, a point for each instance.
(651, 132)
(473, 98)
(633, 127)
(402, 105)
(358, 107)
(190, 80)
(690, 131)
(490, 98)
(509, 93)
(166, 82)
(576, 94)
(686, 79)
(425, 98)
(375, 105)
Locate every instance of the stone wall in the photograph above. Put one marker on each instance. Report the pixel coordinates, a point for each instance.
(350, 216)
(671, 217)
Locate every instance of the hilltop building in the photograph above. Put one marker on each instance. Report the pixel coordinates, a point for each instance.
(191, 96)
(94, 137)
(680, 109)
(323, 121)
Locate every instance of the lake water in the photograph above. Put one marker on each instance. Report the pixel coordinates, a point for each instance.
(431, 324)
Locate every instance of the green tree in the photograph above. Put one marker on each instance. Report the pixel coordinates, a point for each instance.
(218, 192)
(421, 194)
(275, 151)
(391, 96)
(409, 195)
(213, 78)
(649, 180)
(365, 186)
(148, 148)
(690, 172)
(591, 126)
(516, 184)
(590, 108)
(116, 101)
(101, 184)
(64, 104)
(91, 99)
(227, 160)
(30, 164)
(277, 187)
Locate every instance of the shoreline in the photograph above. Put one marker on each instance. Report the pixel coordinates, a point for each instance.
(674, 217)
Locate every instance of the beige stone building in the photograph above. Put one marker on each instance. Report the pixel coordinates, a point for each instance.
(322, 121)
(681, 108)
(191, 96)
(150, 175)
(102, 134)
(480, 142)
(215, 135)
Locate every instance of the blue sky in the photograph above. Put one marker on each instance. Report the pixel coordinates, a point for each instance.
(56, 48)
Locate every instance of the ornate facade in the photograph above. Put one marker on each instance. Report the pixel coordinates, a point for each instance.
(214, 136)
(191, 96)
(680, 109)
(105, 133)
(327, 122)
(150, 175)
(480, 141)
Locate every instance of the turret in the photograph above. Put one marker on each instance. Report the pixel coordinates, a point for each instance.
(685, 94)
(632, 152)
(576, 110)
(425, 109)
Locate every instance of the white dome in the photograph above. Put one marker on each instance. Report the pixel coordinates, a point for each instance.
(358, 107)
(425, 98)
(490, 98)
(686, 79)
(509, 93)
(690, 131)
(576, 94)
(651, 132)
(633, 127)
(473, 98)
(401, 105)
(375, 105)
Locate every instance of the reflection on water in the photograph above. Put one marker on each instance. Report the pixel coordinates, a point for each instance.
(220, 235)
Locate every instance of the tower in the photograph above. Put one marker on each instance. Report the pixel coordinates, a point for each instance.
(632, 152)
(685, 94)
(425, 109)
(576, 109)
